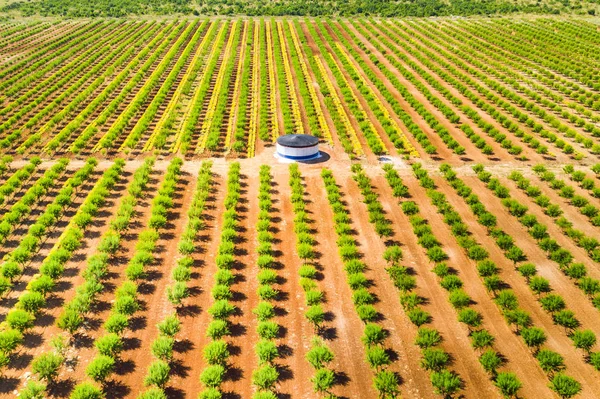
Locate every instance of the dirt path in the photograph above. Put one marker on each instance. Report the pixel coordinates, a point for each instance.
(244, 336)
(296, 342)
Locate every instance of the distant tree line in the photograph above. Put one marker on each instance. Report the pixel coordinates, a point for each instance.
(382, 8)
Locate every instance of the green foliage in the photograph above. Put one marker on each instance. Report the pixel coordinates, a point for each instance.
(490, 361)
(386, 382)
(109, 345)
(158, 373)
(47, 365)
(217, 329)
(319, 355)
(216, 353)
(565, 386)
(267, 329)
(212, 376)
(33, 390)
(265, 377)
(584, 339)
(508, 383)
(153, 393)
(323, 380)
(551, 362)
(427, 337)
(86, 390)
(267, 351)
(20, 319)
(434, 359)
(162, 348)
(445, 382)
(100, 368)
(377, 357)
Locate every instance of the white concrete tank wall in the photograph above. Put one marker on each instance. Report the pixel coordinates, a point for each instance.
(297, 152)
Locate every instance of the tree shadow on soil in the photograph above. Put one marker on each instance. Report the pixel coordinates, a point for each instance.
(116, 389)
(234, 374)
(179, 369)
(183, 346)
(61, 388)
(8, 384)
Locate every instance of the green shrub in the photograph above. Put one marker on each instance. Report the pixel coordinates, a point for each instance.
(109, 345)
(116, 323)
(162, 348)
(508, 383)
(265, 377)
(100, 368)
(445, 382)
(373, 334)
(319, 355)
(323, 380)
(386, 382)
(267, 351)
(490, 361)
(212, 376)
(377, 357)
(47, 365)
(267, 329)
(86, 390)
(158, 373)
(216, 352)
(217, 329)
(20, 319)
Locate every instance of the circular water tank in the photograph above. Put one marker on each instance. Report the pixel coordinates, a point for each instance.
(298, 147)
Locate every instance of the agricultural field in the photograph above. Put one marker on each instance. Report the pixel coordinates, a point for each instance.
(446, 244)
(229, 88)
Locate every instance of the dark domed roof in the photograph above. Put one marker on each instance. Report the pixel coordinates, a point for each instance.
(297, 140)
